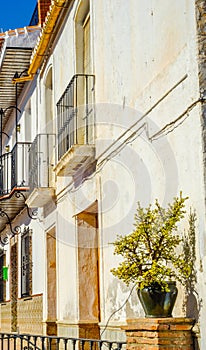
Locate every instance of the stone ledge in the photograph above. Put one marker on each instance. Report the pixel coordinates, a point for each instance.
(171, 323)
(159, 347)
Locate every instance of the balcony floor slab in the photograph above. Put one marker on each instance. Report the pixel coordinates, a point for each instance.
(75, 159)
(40, 197)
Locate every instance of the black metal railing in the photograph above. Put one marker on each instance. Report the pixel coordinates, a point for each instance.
(14, 168)
(41, 161)
(75, 113)
(5, 173)
(11, 341)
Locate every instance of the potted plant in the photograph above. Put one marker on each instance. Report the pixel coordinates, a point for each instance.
(153, 257)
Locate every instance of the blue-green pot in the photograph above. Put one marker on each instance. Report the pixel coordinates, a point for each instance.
(157, 303)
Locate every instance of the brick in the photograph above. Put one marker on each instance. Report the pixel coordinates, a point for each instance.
(145, 347)
(178, 327)
(157, 340)
(146, 326)
(161, 334)
(149, 334)
(131, 340)
(43, 7)
(173, 333)
(158, 323)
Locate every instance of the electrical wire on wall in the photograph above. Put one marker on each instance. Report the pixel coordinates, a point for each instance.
(133, 133)
(114, 312)
(168, 128)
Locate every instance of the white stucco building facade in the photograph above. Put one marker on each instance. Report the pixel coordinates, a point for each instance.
(113, 106)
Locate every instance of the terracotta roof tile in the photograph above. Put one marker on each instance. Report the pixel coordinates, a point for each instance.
(43, 7)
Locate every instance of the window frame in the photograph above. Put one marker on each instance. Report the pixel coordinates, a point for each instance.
(26, 263)
(2, 282)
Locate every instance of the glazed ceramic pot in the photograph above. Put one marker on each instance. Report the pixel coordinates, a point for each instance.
(157, 303)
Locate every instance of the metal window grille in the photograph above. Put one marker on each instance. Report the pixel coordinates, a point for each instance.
(75, 113)
(41, 161)
(20, 163)
(2, 282)
(14, 168)
(26, 263)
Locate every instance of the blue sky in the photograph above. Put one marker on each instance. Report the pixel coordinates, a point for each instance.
(16, 13)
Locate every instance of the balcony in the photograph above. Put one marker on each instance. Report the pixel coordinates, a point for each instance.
(13, 181)
(41, 175)
(76, 124)
(14, 169)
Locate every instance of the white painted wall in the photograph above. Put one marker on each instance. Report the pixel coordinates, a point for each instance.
(145, 66)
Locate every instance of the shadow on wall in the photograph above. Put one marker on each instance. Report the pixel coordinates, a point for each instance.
(193, 303)
(193, 307)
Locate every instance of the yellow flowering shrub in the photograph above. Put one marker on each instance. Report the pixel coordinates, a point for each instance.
(152, 253)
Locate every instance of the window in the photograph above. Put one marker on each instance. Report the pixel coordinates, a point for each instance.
(2, 282)
(82, 38)
(83, 31)
(49, 110)
(26, 263)
(86, 46)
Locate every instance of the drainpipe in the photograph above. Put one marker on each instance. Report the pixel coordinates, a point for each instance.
(43, 40)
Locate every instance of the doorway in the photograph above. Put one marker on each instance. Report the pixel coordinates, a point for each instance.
(14, 286)
(51, 282)
(88, 272)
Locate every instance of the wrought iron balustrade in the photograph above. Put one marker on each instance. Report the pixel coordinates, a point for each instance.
(75, 113)
(37, 342)
(41, 161)
(14, 168)
(5, 173)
